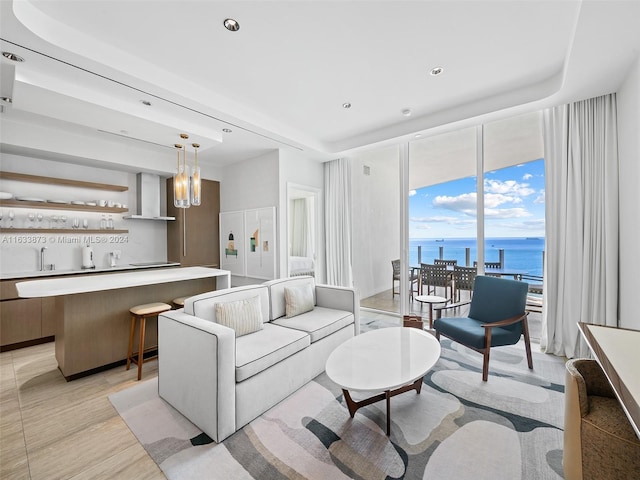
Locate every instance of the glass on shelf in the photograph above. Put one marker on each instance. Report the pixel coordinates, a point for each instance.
(85, 223)
(32, 218)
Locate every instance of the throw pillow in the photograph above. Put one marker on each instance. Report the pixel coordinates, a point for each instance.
(244, 316)
(298, 300)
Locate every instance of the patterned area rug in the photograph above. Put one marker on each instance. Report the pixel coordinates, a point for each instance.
(458, 427)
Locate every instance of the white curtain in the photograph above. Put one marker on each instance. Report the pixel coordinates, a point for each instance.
(300, 228)
(337, 184)
(581, 273)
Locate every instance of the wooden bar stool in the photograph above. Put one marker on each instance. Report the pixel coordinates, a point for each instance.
(142, 312)
(179, 302)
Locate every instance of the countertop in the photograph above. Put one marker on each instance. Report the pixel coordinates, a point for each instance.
(57, 273)
(68, 285)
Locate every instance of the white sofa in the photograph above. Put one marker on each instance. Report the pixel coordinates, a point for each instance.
(221, 382)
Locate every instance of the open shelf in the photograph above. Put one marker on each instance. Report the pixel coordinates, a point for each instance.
(59, 206)
(79, 231)
(23, 177)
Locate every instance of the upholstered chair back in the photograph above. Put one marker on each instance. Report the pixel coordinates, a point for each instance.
(498, 298)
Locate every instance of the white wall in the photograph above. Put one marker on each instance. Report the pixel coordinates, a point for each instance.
(628, 101)
(146, 240)
(375, 219)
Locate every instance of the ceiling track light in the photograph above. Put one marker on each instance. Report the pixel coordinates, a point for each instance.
(187, 187)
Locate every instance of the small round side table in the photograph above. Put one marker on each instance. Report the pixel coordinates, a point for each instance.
(430, 299)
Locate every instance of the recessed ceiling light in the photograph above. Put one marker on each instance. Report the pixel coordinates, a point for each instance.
(231, 25)
(346, 105)
(406, 112)
(12, 56)
(227, 130)
(146, 103)
(418, 135)
(6, 99)
(436, 71)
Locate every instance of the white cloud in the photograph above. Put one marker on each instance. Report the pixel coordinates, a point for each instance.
(540, 198)
(493, 200)
(527, 176)
(508, 187)
(506, 212)
(412, 193)
(464, 203)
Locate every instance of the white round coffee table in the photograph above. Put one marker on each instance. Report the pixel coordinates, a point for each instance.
(390, 360)
(430, 299)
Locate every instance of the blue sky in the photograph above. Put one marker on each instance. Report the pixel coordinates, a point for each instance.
(513, 200)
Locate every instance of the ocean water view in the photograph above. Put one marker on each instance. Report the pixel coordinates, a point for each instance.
(519, 253)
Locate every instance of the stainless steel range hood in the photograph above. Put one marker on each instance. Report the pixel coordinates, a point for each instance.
(148, 195)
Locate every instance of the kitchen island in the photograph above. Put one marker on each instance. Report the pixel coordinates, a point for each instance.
(92, 312)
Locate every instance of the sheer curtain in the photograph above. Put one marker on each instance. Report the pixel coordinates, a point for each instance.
(581, 274)
(300, 231)
(337, 214)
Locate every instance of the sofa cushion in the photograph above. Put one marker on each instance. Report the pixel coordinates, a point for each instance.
(298, 300)
(318, 323)
(203, 305)
(260, 350)
(276, 293)
(243, 316)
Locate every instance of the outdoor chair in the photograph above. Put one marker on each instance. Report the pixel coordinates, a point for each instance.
(490, 265)
(433, 276)
(450, 263)
(413, 279)
(463, 279)
(496, 317)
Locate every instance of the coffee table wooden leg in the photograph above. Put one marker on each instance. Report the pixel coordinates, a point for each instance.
(353, 406)
(388, 395)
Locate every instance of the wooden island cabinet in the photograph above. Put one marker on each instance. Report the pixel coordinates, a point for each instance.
(24, 321)
(92, 318)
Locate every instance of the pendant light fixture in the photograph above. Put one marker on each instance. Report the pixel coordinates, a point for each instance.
(187, 188)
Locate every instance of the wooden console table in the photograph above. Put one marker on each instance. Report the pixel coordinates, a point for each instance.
(617, 350)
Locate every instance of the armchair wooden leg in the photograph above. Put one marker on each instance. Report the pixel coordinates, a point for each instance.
(527, 342)
(485, 354)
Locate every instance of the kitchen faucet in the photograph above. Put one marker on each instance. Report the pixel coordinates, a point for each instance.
(42, 258)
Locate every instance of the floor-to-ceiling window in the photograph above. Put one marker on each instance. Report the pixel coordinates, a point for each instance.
(498, 165)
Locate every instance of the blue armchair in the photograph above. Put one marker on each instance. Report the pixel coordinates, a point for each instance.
(497, 317)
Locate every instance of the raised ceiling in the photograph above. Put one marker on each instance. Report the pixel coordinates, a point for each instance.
(282, 79)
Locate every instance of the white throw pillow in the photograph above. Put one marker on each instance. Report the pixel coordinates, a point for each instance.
(298, 300)
(244, 316)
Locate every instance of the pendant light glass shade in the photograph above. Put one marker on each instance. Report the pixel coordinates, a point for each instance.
(181, 182)
(195, 184)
